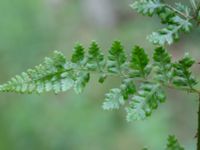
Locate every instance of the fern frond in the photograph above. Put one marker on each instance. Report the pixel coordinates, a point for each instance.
(116, 97)
(147, 7)
(78, 54)
(59, 75)
(128, 88)
(182, 74)
(54, 74)
(173, 144)
(183, 8)
(139, 63)
(177, 20)
(81, 79)
(145, 101)
(171, 32)
(162, 65)
(116, 58)
(113, 99)
(96, 59)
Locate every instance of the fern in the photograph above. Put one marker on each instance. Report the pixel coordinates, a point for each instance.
(116, 58)
(177, 19)
(60, 75)
(173, 144)
(53, 74)
(182, 75)
(113, 99)
(147, 7)
(96, 59)
(151, 75)
(145, 101)
(139, 63)
(127, 88)
(162, 65)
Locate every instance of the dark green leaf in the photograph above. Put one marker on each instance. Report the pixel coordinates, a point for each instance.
(139, 62)
(116, 58)
(147, 7)
(182, 74)
(113, 99)
(173, 144)
(128, 88)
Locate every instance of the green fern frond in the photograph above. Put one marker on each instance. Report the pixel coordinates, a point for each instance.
(162, 65)
(113, 99)
(54, 74)
(58, 75)
(116, 58)
(150, 75)
(171, 32)
(183, 8)
(96, 59)
(145, 101)
(147, 7)
(128, 88)
(81, 79)
(139, 63)
(182, 74)
(173, 144)
(78, 54)
(116, 97)
(177, 20)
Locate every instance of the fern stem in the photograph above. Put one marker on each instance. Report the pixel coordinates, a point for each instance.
(198, 130)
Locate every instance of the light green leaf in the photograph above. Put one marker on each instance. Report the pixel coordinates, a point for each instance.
(145, 101)
(113, 99)
(127, 88)
(78, 54)
(43, 78)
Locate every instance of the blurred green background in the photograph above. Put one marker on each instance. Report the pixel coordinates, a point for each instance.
(31, 30)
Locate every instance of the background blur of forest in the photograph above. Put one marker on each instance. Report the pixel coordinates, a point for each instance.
(32, 29)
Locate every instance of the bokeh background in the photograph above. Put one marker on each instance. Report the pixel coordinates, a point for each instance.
(31, 30)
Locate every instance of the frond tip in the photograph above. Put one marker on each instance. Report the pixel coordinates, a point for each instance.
(53, 74)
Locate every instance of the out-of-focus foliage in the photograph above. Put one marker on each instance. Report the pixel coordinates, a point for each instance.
(60, 75)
